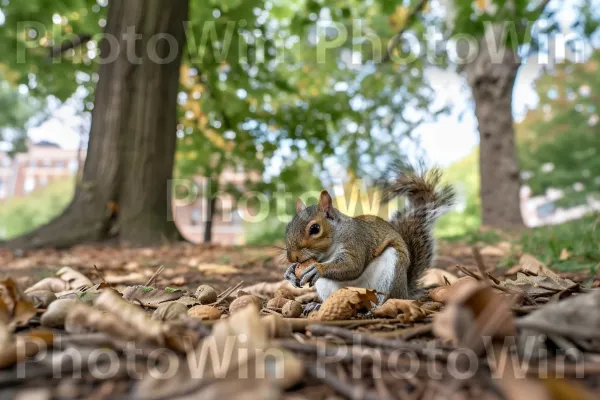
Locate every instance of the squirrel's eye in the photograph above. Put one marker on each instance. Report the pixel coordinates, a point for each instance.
(314, 230)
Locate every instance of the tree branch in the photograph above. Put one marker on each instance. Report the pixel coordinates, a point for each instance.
(410, 19)
(77, 41)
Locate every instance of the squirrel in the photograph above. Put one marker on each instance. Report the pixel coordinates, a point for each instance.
(367, 251)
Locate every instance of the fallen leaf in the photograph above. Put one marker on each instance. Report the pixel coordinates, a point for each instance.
(24, 346)
(547, 282)
(217, 269)
(576, 317)
(54, 285)
(242, 343)
(75, 279)
(410, 310)
(149, 296)
(444, 293)
(564, 255)
(19, 306)
(475, 311)
(436, 276)
(529, 263)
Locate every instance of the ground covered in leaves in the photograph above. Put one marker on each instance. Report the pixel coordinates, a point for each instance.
(189, 321)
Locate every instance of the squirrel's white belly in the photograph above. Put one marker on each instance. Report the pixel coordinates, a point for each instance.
(379, 275)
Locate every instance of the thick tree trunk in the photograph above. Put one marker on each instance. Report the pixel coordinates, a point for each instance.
(492, 80)
(124, 189)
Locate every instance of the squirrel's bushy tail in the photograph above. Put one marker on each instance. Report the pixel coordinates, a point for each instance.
(428, 198)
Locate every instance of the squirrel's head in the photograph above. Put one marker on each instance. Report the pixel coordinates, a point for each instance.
(310, 233)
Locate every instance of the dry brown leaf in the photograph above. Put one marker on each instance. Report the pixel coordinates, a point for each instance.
(410, 309)
(529, 263)
(75, 278)
(546, 282)
(24, 346)
(149, 296)
(19, 306)
(564, 255)
(435, 276)
(54, 285)
(55, 315)
(346, 302)
(237, 345)
(475, 311)
(444, 293)
(217, 269)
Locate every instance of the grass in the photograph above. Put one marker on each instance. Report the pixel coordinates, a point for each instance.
(579, 238)
(22, 214)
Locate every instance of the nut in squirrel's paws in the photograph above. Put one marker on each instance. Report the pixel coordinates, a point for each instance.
(296, 271)
(301, 267)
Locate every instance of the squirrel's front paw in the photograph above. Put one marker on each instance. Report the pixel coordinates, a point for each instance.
(290, 275)
(310, 276)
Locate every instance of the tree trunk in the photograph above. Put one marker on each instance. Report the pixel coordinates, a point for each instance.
(492, 81)
(208, 225)
(124, 189)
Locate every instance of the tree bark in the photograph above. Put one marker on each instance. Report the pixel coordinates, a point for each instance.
(492, 80)
(124, 189)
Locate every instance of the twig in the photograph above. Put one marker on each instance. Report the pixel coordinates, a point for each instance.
(480, 264)
(156, 274)
(102, 276)
(410, 19)
(226, 293)
(406, 334)
(468, 273)
(369, 340)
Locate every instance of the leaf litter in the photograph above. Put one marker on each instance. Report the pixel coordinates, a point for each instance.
(533, 336)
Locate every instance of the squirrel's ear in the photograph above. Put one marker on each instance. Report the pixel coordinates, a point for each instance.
(326, 203)
(299, 205)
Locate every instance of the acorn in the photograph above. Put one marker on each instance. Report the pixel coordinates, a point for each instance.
(244, 301)
(206, 294)
(277, 303)
(170, 311)
(300, 268)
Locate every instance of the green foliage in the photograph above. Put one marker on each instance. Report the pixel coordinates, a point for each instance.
(23, 214)
(559, 141)
(16, 109)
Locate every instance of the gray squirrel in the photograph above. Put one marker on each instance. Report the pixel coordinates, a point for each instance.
(368, 251)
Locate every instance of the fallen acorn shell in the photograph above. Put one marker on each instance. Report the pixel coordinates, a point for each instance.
(277, 303)
(204, 313)
(285, 293)
(244, 301)
(292, 309)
